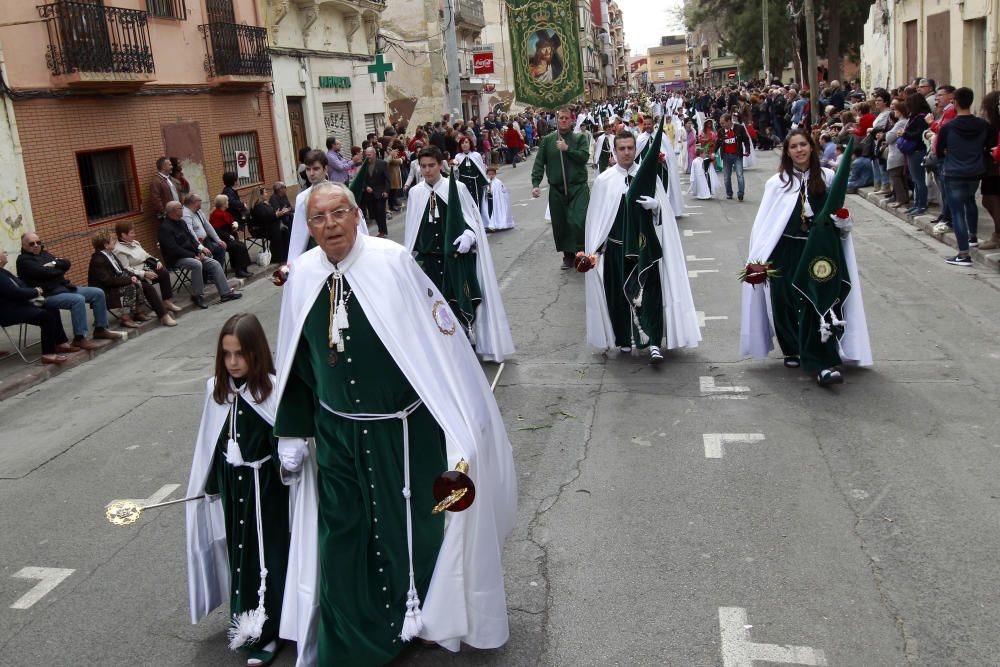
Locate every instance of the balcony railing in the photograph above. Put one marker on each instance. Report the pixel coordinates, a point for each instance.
(91, 43)
(470, 12)
(234, 50)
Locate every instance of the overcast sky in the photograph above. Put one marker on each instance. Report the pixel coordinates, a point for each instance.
(648, 20)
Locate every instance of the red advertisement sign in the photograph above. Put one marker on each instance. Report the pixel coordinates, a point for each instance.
(482, 63)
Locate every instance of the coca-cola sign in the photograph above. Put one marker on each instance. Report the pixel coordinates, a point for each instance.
(482, 63)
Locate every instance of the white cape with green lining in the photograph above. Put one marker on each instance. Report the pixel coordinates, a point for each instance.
(465, 602)
(493, 339)
(680, 319)
(756, 325)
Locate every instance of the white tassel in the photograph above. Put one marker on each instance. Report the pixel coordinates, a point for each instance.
(413, 625)
(341, 316)
(638, 300)
(807, 209)
(234, 456)
(246, 627)
(824, 331)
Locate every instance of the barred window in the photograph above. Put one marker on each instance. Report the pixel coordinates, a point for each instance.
(242, 142)
(109, 184)
(167, 9)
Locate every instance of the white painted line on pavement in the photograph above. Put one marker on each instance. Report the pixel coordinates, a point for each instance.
(687, 214)
(739, 651)
(714, 442)
(693, 206)
(161, 494)
(49, 578)
(702, 318)
(691, 232)
(694, 273)
(708, 388)
(694, 258)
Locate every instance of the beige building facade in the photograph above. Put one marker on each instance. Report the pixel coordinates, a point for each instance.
(668, 63)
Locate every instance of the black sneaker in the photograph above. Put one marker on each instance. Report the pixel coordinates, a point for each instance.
(960, 260)
(567, 262)
(740, 197)
(829, 376)
(973, 242)
(729, 196)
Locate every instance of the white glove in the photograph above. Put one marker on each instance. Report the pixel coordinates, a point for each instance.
(466, 241)
(648, 203)
(291, 451)
(845, 225)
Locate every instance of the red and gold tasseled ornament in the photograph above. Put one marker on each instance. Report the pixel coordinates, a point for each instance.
(757, 272)
(585, 262)
(280, 275)
(454, 490)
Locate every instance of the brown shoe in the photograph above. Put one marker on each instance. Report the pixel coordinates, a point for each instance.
(85, 344)
(54, 359)
(993, 243)
(127, 321)
(67, 348)
(107, 334)
(140, 316)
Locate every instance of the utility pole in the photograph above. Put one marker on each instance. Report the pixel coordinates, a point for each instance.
(811, 61)
(767, 48)
(451, 51)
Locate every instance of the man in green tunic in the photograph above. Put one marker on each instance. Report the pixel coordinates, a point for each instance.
(562, 158)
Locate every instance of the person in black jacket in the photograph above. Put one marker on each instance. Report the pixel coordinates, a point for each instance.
(121, 288)
(237, 208)
(19, 305)
(39, 268)
(376, 191)
(733, 143)
(913, 139)
(179, 251)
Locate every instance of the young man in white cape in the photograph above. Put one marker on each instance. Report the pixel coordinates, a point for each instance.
(668, 171)
(783, 199)
(427, 224)
(635, 322)
(496, 211)
(371, 364)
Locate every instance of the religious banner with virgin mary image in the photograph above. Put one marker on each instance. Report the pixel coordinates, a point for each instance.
(545, 50)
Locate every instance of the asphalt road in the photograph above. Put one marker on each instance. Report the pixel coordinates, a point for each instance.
(845, 526)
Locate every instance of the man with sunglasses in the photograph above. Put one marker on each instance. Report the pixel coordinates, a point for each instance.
(39, 268)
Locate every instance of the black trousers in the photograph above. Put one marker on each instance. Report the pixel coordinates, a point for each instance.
(47, 319)
(376, 210)
(239, 256)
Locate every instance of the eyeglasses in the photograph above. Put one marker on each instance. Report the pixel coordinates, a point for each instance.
(32, 244)
(338, 215)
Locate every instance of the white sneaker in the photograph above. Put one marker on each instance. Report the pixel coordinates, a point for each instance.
(942, 227)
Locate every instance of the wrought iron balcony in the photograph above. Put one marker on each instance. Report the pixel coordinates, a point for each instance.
(469, 13)
(236, 53)
(92, 44)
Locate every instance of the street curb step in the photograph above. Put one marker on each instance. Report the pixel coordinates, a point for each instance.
(986, 259)
(30, 375)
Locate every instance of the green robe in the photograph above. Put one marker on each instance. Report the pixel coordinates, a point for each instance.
(363, 563)
(469, 174)
(632, 242)
(796, 324)
(568, 210)
(453, 273)
(236, 487)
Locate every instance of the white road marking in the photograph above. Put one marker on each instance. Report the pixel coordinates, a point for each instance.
(695, 258)
(708, 388)
(694, 273)
(161, 494)
(693, 206)
(702, 318)
(687, 214)
(691, 232)
(49, 578)
(714, 442)
(739, 651)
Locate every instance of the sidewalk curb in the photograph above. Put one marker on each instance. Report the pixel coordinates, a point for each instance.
(986, 259)
(30, 375)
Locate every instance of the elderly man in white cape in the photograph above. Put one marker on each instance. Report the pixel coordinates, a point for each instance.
(443, 244)
(496, 211)
(668, 172)
(634, 298)
(372, 366)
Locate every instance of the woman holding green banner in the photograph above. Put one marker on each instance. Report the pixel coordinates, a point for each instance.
(801, 282)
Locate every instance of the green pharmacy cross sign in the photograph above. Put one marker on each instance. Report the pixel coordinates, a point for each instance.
(380, 68)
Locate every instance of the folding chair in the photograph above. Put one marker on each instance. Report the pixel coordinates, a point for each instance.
(181, 279)
(22, 343)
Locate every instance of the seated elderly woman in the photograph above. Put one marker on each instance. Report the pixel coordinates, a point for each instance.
(121, 288)
(20, 304)
(225, 226)
(148, 269)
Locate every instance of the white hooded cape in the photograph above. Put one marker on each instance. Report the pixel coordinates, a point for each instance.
(756, 327)
(699, 185)
(750, 161)
(207, 555)
(673, 174)
(476, 159)
(299, 239)
(503, 216)
(680, 320)
(493, 339)
(465, 601)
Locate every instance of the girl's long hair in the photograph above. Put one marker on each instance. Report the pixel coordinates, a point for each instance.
(816, 183)
(253, 343)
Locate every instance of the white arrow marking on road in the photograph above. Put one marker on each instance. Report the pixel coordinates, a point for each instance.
(694, 273)
(49, 578)
(708, 388)
(161, 494)
(691, 232)
(702, 318)
(739, 651)
(714, 442)
(694, 258)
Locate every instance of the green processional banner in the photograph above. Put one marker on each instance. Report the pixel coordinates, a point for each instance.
(545, 48)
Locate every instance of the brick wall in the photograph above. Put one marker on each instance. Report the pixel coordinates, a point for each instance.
(52, 131)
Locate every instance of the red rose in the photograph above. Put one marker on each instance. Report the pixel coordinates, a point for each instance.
(843, 213)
